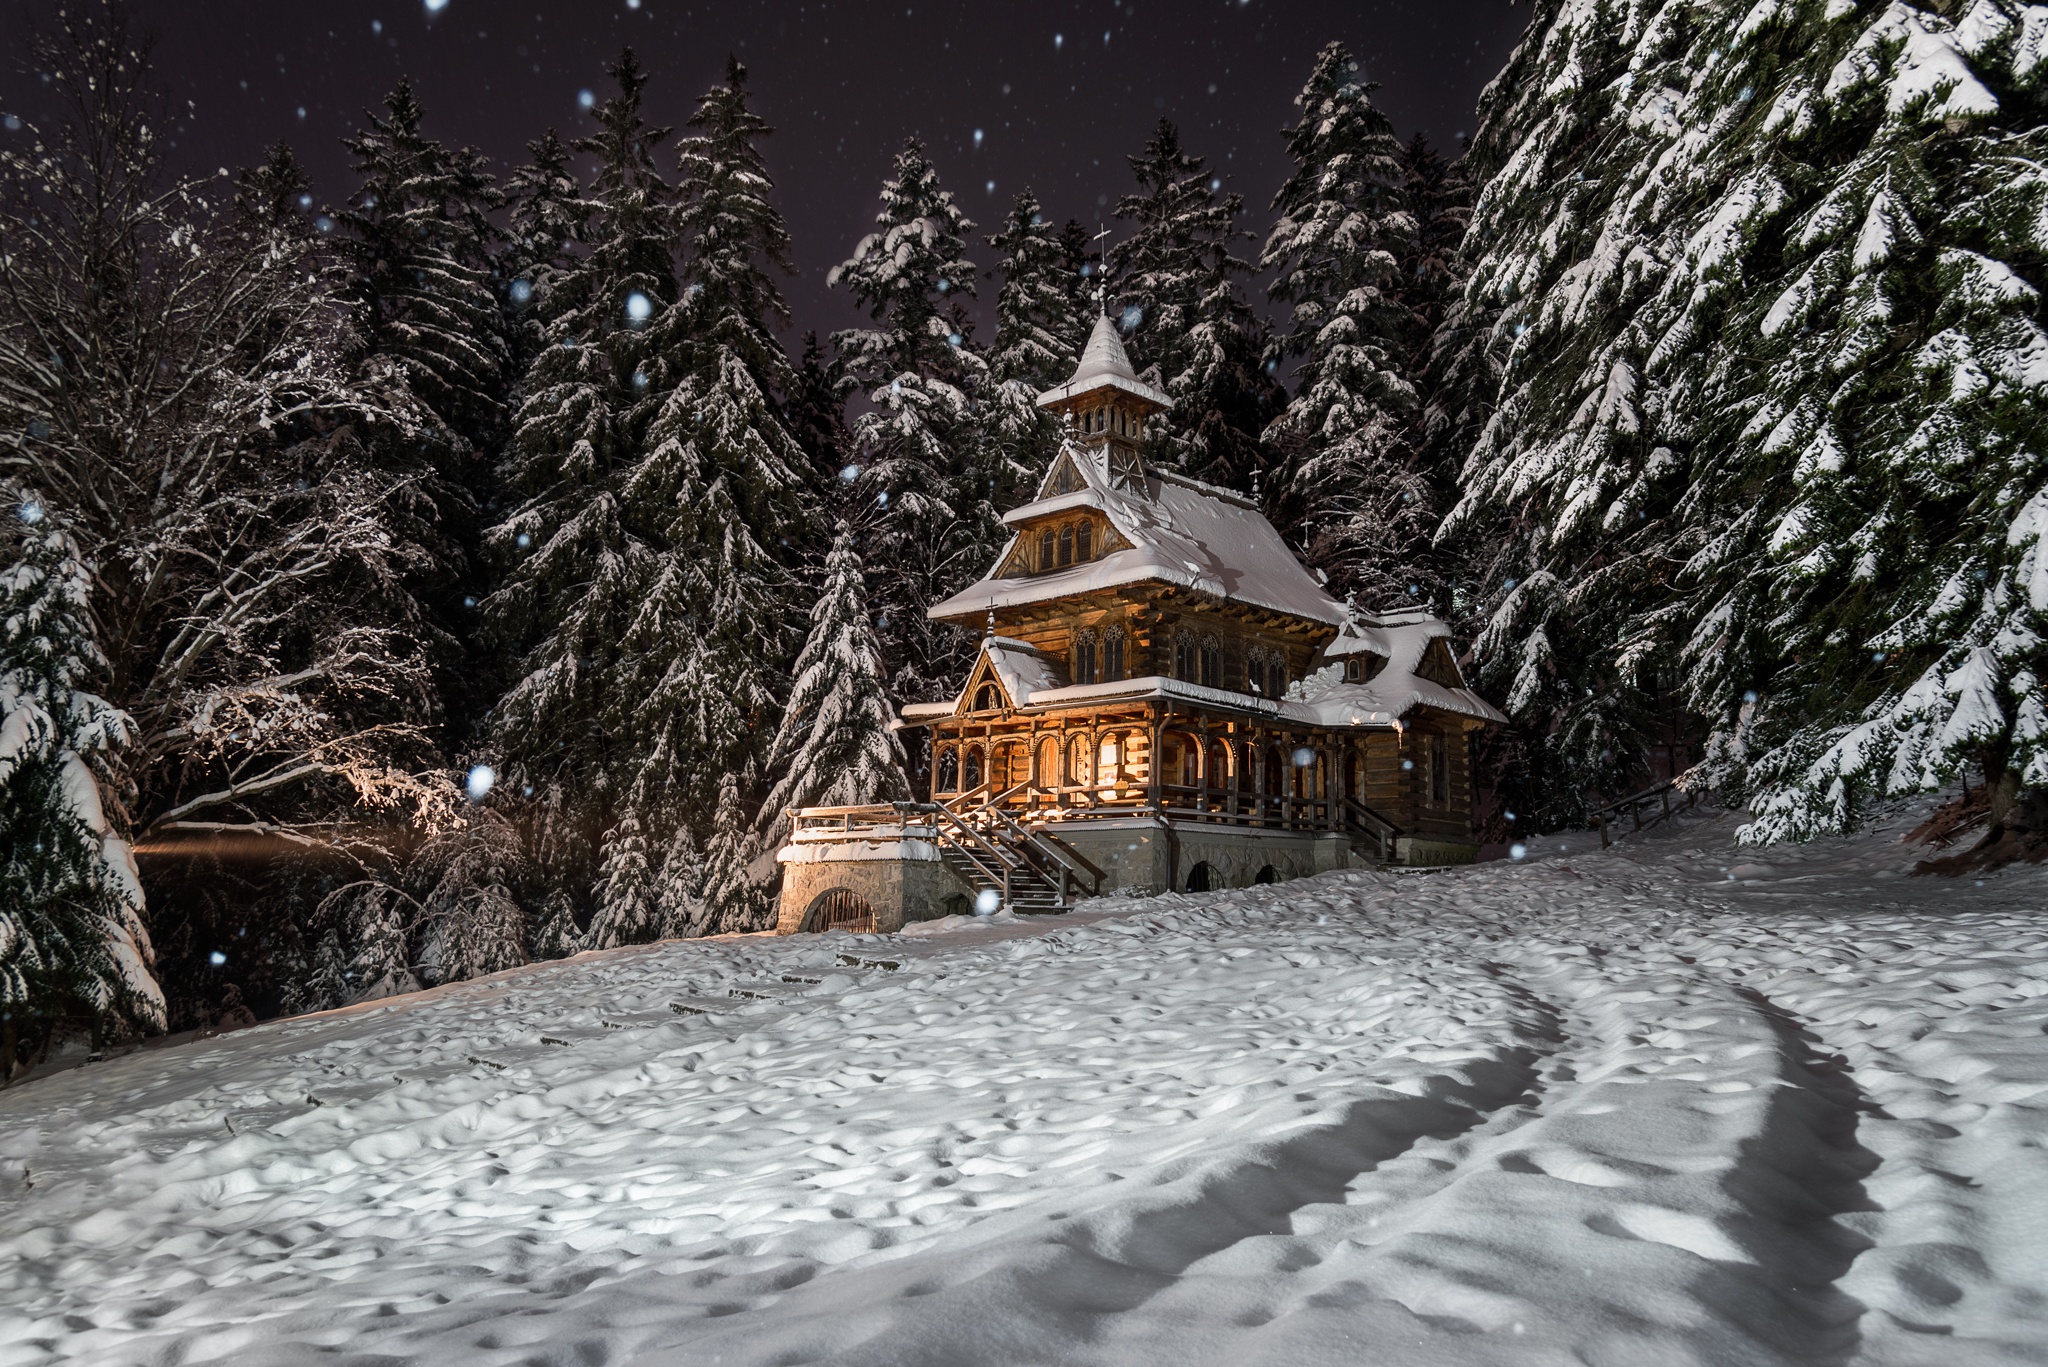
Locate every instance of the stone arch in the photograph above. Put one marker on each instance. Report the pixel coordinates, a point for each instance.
(839, 909)
(1203, 877)
(1266, 874)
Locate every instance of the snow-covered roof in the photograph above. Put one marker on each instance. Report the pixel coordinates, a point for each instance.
(1181, 532)
(1402, 639)
(1104, 365)
(1022, 668)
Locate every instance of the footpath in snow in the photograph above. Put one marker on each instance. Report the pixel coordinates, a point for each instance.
(1674, 1103)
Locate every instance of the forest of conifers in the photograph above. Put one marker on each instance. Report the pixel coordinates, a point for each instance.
(471, 571)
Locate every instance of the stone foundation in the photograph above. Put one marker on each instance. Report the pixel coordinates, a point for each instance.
(1422, 852)
(901, 880)
(1146, 854)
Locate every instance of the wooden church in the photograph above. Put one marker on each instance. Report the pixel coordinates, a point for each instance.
(1164, 699)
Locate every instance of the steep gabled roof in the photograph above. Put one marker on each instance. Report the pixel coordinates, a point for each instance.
(1180, 531)
(1016, 667)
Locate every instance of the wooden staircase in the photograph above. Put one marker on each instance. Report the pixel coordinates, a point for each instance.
(1029, 868)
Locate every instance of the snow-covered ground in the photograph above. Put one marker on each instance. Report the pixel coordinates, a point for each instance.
(1670, 1104)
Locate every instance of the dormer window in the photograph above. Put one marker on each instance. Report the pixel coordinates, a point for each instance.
(1071, 543)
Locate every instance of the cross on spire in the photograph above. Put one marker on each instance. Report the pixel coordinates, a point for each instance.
(1101, 276)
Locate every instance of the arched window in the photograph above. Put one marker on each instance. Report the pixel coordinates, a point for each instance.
(1276, 677)
(1045, 543)
(1080, 753)
(1184, 665)
(1084, 657)
(1212, 662)
(988, 698)
(1276, 771)
(1217, 773)
(1067, 545)
(1084, 542)
(1108, 756)
(949, 770)
(971, 777)
(1255, 669)
(1113, 654)
(1190, 763)
(1245, 767)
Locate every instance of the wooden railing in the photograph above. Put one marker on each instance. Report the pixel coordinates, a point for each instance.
(1374, 827)
(1603, 817)
(998, 846)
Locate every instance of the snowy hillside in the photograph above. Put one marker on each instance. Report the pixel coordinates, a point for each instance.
(1647, 1106)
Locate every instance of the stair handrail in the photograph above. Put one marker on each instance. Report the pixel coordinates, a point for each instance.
(1382, 830)
(967, 837)
(1049, 848)
(1079, 862)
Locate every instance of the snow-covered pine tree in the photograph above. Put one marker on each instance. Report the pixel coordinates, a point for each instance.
(73, 951)
(1765, 283)
(1042, 312)
(576, 560)
(557, 935)
(732, 900)
(1352, 483)
(467, 878)
(420, 234)
(722, 486)
(277, 193)
(1176, 293)
(817, 415)
(1042, 320)
(379, 921)
(679, 892)
(933, 524)
(835, 746)
(626, 895)
(546, 221)
(326, 985)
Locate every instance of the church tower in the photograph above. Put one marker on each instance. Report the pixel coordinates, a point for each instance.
(1106, 407)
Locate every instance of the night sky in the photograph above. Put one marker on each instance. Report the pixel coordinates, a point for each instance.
(1049, 96)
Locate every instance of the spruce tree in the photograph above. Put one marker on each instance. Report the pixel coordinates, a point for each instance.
(1176, 284)
(722, 486)
(547, 220)
(679, 892)
(835, 746)
(1042, 321)
(577, 563)
(73, 951)
(817, 416)
(1352, 485)
(419, 229)
(627, 912)
(277, 193)
(930, 486)
(557, 935)
(1762, 286)
(732, 900)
